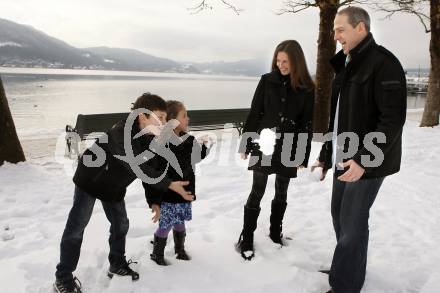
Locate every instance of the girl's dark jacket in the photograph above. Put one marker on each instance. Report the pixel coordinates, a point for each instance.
(277, 106)
(372, 99)
(108, 177)
(188, 153)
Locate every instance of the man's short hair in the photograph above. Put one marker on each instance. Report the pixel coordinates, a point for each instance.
(356, 15)
(150, 102)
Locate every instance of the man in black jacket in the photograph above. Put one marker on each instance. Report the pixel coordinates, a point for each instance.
(368, 104)
(102, 174)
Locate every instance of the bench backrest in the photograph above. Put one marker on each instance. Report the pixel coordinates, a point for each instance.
(206, 118)
(199, 120)
(89, 123)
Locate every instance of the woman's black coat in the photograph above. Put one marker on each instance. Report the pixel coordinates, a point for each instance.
(288, 112)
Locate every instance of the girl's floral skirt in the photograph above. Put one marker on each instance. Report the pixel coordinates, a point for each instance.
(174, 213)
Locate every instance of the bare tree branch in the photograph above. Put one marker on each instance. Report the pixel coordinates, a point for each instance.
(202, 6)
(296, 6)
(230, 6)
(422, 19)
(349, 2)
(205, 4)
(415, 7)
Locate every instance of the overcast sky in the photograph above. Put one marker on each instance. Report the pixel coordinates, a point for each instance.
(168, 29)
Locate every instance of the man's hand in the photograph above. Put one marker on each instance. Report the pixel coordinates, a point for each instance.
(318, 164)
(177, 186)
(354, 172)
(243, 156)
(155, 209)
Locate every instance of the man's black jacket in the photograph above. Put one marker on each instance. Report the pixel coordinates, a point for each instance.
(372, 98)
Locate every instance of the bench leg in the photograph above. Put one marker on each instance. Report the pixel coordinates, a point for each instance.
(68, 147)
(72, 144)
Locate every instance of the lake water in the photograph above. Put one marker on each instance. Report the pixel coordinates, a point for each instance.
(46, 100)
(43, 101)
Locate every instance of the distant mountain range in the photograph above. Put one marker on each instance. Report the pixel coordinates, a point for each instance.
(252, 67)
(24, 46)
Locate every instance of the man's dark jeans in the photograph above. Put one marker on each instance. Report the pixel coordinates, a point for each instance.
(77, 221)
(350, 208)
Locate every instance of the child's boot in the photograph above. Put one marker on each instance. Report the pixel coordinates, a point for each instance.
(179, 245)
(158, 251)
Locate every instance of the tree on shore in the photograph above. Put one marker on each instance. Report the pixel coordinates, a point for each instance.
(10, 147)
(326, 49)
(431, 23)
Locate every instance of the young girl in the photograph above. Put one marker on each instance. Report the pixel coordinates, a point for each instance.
(174, 209)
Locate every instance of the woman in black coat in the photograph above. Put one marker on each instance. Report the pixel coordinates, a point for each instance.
(283, 102)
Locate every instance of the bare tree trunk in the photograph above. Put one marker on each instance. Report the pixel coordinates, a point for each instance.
(432, 106)
(10, 147)
(324, 71)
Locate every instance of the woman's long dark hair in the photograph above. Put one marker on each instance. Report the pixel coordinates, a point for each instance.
(299, 74)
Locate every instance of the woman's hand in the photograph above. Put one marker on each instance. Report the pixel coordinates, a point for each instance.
(155, 209)
(318, 164)
(243, 156)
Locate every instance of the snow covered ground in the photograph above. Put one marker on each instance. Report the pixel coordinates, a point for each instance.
(35, 198)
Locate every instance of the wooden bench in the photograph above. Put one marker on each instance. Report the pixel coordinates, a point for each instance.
(90, 126)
